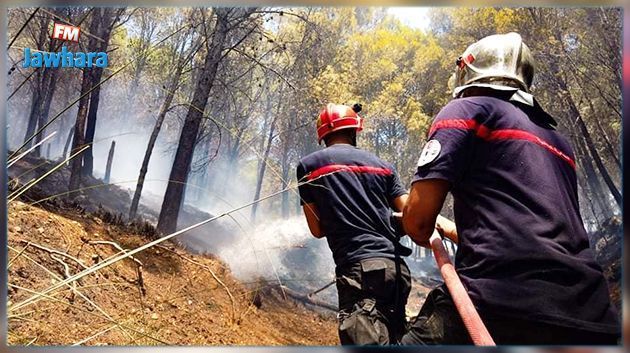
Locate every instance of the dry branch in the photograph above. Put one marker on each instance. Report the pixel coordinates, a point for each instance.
(88, 312)
(216, 278)
(140, 279)
(53, 251)
(72, 287)
(308, 299)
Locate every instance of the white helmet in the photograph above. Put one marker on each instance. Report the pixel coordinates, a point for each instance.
(500, 61)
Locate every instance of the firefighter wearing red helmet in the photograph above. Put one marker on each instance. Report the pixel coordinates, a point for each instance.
(523, 253)
(348, 197)
(337, 117)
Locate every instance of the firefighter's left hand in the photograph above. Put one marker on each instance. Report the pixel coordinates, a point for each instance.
(396, 222)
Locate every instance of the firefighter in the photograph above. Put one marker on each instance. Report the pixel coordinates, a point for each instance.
(523, 253)
(348, 196)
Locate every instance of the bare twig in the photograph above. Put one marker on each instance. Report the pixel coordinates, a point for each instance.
(265, 67)
(310, 300)
(32, 341)
(143, 290)
(67, 274)
(322, 288)
(95, 335)
(216, 278)
(25, 188)
(53, 251)
(17, 256)
(73, 288)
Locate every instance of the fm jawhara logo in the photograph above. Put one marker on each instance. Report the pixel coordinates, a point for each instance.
(65, 58)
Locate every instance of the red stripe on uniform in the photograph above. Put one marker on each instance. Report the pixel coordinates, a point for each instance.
(331, 168)
(461, 124)
(487, 134)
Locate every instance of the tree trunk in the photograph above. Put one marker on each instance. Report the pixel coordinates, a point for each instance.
(261, 170)
(49, 84)
(170, 94)
(589, 175)
(604, 136)
(107, 24)
(167, 222)
(593, 150)
(110, 160)
(50, 75)
(79, 127)
(68, 141)
(38, 89)
(78, 139)
(88, 156)
(32, 119)
(577, 117)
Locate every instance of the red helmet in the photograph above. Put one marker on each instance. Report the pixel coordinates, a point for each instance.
(336, 117)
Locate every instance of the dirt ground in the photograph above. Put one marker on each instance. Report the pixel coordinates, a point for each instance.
(174, 297)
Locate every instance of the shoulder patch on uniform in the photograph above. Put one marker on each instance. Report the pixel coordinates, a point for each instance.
(430, 152)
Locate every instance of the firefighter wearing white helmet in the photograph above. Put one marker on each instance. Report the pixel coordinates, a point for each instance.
(523, 253)
(498, 61)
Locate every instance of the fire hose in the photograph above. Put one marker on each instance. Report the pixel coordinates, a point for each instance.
(474, 325)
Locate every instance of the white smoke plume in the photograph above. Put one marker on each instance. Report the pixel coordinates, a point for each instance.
(281, 250)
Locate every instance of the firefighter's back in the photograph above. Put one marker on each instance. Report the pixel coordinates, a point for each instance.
(352, 190)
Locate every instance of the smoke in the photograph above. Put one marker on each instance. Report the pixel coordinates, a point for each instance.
(274, 252)
(131, 144)
(285, 251)
(281, 248)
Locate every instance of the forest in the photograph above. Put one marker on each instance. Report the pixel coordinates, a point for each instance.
(226, 98)
(208, 109)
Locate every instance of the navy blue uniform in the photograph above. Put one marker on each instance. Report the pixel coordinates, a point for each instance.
(353, 200)
(352, 190)
(523, 250)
